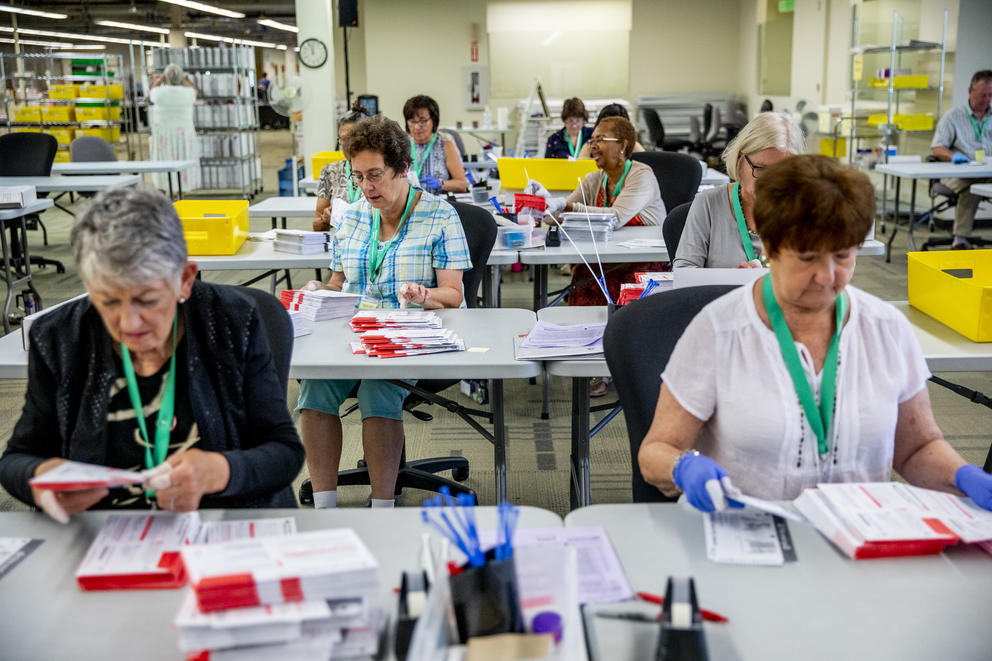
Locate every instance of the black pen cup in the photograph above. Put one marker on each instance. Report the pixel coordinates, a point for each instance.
(486, 599)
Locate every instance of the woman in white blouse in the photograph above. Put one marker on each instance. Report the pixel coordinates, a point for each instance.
(800, 378)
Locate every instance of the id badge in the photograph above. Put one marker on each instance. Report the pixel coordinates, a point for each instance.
(412, 177)
(367, 304)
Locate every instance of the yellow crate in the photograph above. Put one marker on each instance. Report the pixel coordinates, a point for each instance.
(63, 91)
(97, 113)
(558, 174)
(213, 227)
(27, 130)
(963, 303)
(62, 156)
(322, 158)
(910, 82)
(918, 122)
(107, 133)
(100, 91)
(61, 114)
(827, 147)
(27, 114)
(63, 136)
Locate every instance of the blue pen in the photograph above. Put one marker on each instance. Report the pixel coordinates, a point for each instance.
(468, 175)
(444, 533)
(602, 283)
(652, 283)
(495, 202)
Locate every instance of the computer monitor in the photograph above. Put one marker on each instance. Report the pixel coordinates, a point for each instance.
(370, 102)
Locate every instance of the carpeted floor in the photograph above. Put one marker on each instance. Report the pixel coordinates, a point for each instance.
(537, 449)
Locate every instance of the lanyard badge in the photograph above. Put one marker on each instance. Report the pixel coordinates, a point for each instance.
(735, 199)
(376, 255)
(418, 163)
(619, 185)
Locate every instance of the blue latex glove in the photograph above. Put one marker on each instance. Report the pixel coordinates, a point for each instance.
(976, 483)
(958, 157)
(431, 184)
(702, 480)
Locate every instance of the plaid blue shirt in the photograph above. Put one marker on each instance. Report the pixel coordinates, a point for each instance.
(431, 238)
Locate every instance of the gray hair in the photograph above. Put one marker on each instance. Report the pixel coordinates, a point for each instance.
(768, 130)
(173, 74)
(128, 237)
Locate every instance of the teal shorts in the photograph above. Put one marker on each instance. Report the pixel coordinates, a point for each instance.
(376, 398)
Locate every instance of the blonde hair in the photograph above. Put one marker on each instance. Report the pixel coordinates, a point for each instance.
(769, 130)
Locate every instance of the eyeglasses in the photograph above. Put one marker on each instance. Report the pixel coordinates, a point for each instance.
(373, 177)
(755, 169)
(595, 141)
(419, 122)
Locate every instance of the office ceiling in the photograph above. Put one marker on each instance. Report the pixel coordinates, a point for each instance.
(83, 15)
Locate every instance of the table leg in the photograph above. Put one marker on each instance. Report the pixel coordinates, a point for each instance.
(910, 239)
(26, 277)
(499, 434)
(275, 222)
(490, 286)
(273, 281)
(895, 225)
(8, 276)
(540, 286)
(284, 222)
(579, 495)
(179, 183)
(168, 175)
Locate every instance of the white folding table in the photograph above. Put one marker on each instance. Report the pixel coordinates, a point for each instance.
(822, 607)
(128, 167)
(283, 208)
(262, 256)
(915, 171)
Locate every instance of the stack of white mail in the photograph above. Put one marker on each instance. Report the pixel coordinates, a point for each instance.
(319, 305)
(582, 226)
(391, 334)
(310, 595)
(302, 242)
(299, 330)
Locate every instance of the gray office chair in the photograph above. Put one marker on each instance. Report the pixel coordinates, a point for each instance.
(90, 148)
(638, 342)
(457, 139)
(672, 228)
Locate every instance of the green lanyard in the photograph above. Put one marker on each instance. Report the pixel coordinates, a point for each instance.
(616, 189)
(377, 255)
(418, 163)
(819, 420)
(163, 423)
(979, 128)
(735, 200)
(573, 151)
(353, 192)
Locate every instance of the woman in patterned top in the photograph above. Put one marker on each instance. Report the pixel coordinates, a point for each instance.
(335, 182)
(436, 161)
(397, 235)
(567, 143)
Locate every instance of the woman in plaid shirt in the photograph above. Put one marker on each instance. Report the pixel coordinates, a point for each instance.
(396, 235)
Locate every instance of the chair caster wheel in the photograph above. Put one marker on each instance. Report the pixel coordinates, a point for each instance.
(459, 474)
(306, 493)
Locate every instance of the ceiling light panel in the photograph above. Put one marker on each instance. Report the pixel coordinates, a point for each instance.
(200, 6)
(84, 37)
(31, 12)
(133, 26)
(269, 23)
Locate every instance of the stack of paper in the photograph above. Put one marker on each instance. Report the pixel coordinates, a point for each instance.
(572, 341)
(647, 284)
(392, 343)
(319, 305)
(581, 226)
(299, 330)
(16, 197)
(324, 564)
(366, 320)
(302, 242)
(882, 519)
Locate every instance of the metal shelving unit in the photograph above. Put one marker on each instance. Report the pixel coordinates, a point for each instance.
(225, 114)
(32, 79)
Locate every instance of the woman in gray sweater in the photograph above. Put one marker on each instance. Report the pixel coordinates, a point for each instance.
(719, 231)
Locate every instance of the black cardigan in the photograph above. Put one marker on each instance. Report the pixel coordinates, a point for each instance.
(238, 403)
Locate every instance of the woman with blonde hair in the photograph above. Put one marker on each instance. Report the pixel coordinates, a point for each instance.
(720, 231)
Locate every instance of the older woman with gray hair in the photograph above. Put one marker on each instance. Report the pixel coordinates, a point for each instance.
(719, 230)
(173, 135)
(153, 369)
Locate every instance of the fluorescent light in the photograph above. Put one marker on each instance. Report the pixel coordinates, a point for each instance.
(199, 6)
(230, 40)
(282, 47)
(30, 42)
(268, 22)
(84, 37)
(31, 12)
(133, 26)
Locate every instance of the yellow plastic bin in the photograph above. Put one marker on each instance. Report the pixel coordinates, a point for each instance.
(102, 91)
(322, 158)
(110, 134)
(62, 156)
(63, 91)
(96, 110)
(27, 114)
(63, 136)
(557, 174)
(213, 227)
(58, 114)
(955, 288)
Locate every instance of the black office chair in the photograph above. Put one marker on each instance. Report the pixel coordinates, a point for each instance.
(766, 106)
(29, 155)
(278, 328)
(672, 228)
(678, 175)
(638, 341)
(943, 198)
(456, 137)
(656, 132)
(480, 233)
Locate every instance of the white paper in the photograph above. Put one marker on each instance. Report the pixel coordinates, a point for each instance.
(134, 544)
(761, 505)
(592, 352)
(72, 475)
(601, 576)
(742, 538)
(642, 243)
(546, 335)
(214, 532)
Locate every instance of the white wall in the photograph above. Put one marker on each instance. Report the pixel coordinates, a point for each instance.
(974, 50)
